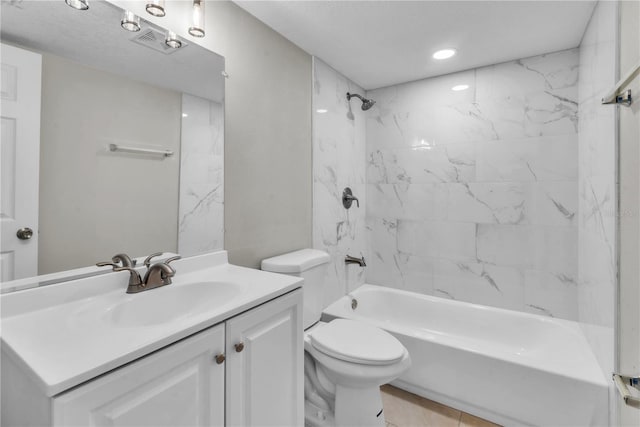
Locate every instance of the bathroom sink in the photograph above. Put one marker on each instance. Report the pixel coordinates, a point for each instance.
(170, 302)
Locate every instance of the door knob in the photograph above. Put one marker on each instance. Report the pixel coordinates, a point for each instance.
(239, 347)
(24, 233)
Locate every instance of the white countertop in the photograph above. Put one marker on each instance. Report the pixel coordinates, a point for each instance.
(61, 334)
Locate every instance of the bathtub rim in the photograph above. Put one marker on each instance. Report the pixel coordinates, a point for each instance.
(596, 375)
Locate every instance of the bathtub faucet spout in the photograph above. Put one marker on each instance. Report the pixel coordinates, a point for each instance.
(353, 260)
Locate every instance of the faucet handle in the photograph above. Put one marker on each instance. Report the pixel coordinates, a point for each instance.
(124, 259)
(105, 264)
(158, 274)
(147, 261)
(175, 258)
(348, 198)
(134, 278)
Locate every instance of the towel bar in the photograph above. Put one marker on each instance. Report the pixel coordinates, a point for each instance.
(620, 382)
(116, 147)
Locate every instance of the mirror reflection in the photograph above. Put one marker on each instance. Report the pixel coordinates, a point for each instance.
(112, 141)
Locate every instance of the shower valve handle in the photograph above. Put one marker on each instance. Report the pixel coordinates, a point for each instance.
(348, 198)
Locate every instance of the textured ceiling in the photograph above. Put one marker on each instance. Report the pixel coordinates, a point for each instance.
(94, 38)
(380, 43)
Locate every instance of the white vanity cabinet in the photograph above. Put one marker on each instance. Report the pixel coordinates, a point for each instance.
(265, 379)
(258, 382)
(181, 385)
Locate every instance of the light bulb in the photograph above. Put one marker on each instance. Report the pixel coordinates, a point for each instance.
(78, 4)
(130, 21)
(156, 7)
(197, 27)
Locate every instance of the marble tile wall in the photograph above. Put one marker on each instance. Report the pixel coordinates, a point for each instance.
(473, 195)
(201, 203)
(339, 161)
(597, 197)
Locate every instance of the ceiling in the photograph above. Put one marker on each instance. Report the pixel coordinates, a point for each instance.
(94, 38)
(381, 43)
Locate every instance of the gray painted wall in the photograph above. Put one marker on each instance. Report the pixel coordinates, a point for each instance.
(268, 181)
(268, 188)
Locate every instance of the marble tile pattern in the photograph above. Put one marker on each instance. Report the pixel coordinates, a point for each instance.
(597, 262)
(201, 205)
(473, 195)
(339, 161)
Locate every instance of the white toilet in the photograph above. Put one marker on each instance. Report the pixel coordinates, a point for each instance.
(346, 361)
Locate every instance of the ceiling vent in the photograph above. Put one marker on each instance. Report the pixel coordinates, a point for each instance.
(154, 39)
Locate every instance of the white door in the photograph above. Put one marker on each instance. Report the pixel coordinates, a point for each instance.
(19, 162)
(265, 376)
(182, 385)
(628, 325)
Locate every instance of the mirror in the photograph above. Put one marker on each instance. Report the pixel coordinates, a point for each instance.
(130, 139)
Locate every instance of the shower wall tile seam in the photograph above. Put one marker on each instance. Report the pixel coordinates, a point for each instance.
(339, 161)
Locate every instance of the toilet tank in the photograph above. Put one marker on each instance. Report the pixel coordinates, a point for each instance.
(311, 265)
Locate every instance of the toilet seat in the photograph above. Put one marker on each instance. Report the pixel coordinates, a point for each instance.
(356, 342)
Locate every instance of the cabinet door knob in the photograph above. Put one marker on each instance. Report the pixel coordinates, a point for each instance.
(219, 359)
(239, 347)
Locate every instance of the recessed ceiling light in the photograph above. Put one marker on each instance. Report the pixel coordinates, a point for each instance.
(444, 54)
(460, 87)
(321, 110)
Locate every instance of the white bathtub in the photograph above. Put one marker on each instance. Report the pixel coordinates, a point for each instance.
(509, 367)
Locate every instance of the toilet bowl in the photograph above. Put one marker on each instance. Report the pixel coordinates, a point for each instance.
(346, 361)
(350, 361)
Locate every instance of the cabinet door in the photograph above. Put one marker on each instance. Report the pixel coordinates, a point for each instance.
(181, 385)
(265, 377)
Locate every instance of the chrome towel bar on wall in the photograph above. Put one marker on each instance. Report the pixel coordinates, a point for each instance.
(136, 150)
(619, 97)
(621, 382)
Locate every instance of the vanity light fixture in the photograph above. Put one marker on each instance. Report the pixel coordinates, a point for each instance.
(444, 54)
(155, 7)
(78, 4)
(172, 40)
(197, 27)
(460, 87)
(130, 21)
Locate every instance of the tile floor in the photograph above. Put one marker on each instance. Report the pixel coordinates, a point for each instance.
(404, 409)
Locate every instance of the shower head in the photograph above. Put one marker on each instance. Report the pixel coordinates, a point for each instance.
(366, 103)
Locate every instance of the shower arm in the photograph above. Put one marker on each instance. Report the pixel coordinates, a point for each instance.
(351, 95)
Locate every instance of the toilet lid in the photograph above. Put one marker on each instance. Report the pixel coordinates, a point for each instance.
(357, 342)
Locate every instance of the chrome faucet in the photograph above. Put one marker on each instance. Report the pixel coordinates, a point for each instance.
(353, 260)
(158, 274)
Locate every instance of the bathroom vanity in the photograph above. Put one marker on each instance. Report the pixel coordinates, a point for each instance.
(222, 345)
